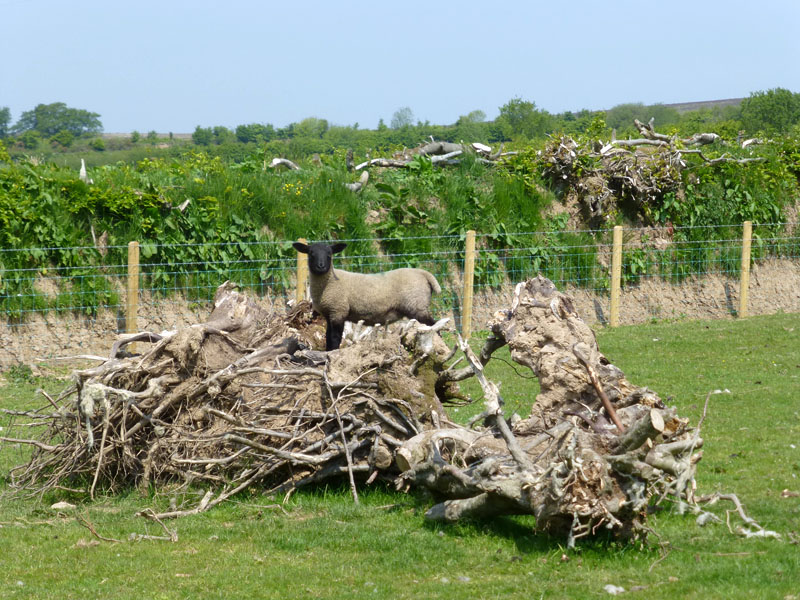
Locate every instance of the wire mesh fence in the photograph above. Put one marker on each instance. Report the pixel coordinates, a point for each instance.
(665, 272)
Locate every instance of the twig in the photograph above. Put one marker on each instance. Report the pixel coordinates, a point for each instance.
(38, 444)
(665, 550)
(583, 358)
(335, 408)
(348, 457)
(49, 399)
(106, 419)
(86, 523)
(739, 509)
(171, 533)
(204, 504)
(494, 406)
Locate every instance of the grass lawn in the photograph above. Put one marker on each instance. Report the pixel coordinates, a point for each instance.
(320, 545)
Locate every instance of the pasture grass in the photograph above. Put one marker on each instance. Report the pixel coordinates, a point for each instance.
(319, 544)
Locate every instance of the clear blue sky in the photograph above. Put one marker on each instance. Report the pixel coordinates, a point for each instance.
(171, 65)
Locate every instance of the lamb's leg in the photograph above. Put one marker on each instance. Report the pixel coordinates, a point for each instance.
(333, 335)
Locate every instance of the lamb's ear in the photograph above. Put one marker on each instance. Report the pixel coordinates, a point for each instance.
(301, 247)
(338, 247)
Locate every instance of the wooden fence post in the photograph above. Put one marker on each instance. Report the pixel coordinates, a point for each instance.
(132, 299)
(469, 278)
(744, 280)
(616, 275)
(302, 274)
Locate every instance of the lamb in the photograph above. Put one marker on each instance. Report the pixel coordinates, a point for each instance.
(341, 296)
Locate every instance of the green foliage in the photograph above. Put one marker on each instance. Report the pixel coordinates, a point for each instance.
(598, 128)
(311, 127)
(402, 117)
(20, 374)
(730, 193)
(97, 144)
(788, 154)
(472, 126)
(30, 139)
(521, 119)
(518, 119)
(223, 135)
(405, 225)
(5, 121)
(560, 256)
(773, 111)
(63, 139)
(635, 265)
(255, 133)
(50, 119)
(240, 216)
(621, 117)
(203, 136)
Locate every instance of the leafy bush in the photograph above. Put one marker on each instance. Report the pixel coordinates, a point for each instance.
(63, 139)
(201, 216)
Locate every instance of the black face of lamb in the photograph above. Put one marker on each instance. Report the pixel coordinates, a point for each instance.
(320, 255)
(320, 258)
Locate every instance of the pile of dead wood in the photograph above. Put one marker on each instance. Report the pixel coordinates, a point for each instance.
(240, 400)
(642, 170)
(439, 153)
(245, 401)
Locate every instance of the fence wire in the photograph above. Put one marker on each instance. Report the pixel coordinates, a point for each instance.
(80, 285)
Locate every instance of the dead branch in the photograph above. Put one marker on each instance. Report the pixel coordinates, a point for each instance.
(439, 153)
(382, 162)
(353, 187)
(581, 352)
(756, 531)
(722, 159)
(649, 132)
(360, 184)
(283, 162)
(88, 524)
(633, 143)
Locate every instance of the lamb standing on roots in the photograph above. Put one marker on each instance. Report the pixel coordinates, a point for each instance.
(379, 298)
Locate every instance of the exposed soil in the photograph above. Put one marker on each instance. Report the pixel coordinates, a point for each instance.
(774, 287)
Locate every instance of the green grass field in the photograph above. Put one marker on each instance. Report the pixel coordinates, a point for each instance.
(320, 545)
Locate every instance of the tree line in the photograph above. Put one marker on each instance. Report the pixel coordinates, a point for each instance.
(771, 112)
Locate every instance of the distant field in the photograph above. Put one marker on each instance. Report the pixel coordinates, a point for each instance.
(679, 106)
(178, 136)
(689, 106)
(319, 545)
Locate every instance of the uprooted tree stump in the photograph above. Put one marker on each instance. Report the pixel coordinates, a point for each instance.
(594, 451)
(244, 400)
